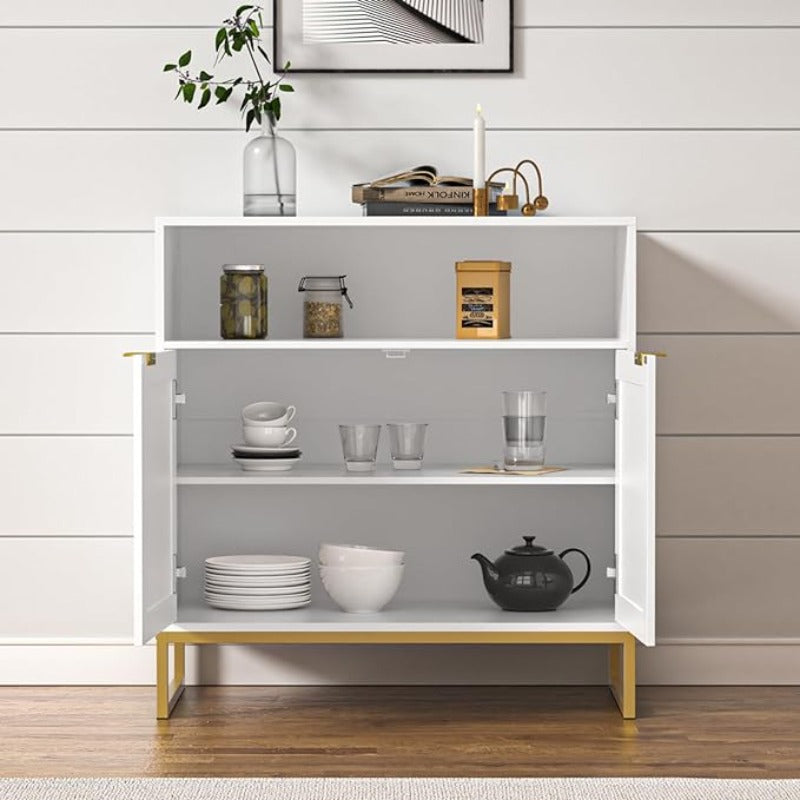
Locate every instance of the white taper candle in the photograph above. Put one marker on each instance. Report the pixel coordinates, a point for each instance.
(479, 161)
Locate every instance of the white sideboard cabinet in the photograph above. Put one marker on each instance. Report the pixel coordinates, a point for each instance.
(573, 301)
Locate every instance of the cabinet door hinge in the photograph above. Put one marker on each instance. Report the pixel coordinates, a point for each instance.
(178, 399)
(180, 572)
(611, 572)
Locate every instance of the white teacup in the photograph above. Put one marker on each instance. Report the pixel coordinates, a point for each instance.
(262, 436)
(267, 414)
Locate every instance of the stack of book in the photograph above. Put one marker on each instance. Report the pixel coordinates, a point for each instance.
(420, 192)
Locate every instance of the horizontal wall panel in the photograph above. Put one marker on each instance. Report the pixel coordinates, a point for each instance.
(98, 12)
(676, 12)
(727, 384)
(740, 486)
(56, 588)
(565, 12)
(65, 283)
(607, 78)
(67, 384)
(65, 485)
(743, 282)
(727, 588)
(671, 180)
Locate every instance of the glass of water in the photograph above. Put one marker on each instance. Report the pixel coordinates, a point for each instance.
(523, 425)
(360, 446)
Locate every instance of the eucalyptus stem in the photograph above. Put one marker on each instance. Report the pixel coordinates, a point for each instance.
(268, 119)
(241, 31)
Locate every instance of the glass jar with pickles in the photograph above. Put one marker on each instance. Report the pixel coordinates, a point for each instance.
(243, 301)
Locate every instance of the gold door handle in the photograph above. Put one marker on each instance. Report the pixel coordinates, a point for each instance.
(149, 358)
(640, 356)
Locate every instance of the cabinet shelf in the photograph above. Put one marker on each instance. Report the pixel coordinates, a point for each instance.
(398, 344)
(401, 617)
(336, 475)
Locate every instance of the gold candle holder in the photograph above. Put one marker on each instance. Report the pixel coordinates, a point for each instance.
(480, 202)
(509, 202)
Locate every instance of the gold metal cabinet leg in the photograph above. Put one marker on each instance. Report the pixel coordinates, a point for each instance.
(622, 675)
(168, 693)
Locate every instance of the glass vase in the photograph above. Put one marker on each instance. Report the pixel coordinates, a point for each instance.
(270, 169)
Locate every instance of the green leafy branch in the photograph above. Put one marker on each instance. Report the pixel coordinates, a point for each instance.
(239, 33)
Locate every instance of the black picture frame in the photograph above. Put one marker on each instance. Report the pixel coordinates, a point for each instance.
(506, 7)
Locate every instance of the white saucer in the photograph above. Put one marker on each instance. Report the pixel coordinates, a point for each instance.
(266, 464)
(258, 601)
(264, 451)
(284, 582)
(234, 606)
(250, 562)
(252, 591)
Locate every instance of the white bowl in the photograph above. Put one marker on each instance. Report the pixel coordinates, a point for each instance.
(357, 555)
(267, 414)
(361, 590)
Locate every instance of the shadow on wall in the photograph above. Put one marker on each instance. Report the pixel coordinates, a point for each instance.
(725, 283)
(359, 665)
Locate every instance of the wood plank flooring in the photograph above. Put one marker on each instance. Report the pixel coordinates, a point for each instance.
(734, 732)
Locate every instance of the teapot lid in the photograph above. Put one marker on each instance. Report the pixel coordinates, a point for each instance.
(529, 549)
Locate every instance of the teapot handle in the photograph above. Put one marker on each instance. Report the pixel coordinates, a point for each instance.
(588, 566)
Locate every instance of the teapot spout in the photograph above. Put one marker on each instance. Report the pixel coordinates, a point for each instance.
(490, 574)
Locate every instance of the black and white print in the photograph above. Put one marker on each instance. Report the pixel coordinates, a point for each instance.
(394, 35)
(395, 21)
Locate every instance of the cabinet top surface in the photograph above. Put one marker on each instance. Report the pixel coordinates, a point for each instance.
(382, 222)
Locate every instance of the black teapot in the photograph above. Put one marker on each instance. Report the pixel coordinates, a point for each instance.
(530, 577)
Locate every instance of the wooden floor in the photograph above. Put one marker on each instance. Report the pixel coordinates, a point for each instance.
(452, 731)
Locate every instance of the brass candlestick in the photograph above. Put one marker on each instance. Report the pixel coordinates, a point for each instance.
(480, 202)
(509, 202)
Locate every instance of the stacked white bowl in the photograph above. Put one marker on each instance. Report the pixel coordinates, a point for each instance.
(360, 579)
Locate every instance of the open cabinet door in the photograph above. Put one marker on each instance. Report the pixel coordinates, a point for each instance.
(635, 540)
(154, 560)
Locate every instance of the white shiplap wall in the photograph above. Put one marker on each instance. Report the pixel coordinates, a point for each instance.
(681, 113)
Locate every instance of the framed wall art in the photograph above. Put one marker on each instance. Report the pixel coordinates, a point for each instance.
(394, 35)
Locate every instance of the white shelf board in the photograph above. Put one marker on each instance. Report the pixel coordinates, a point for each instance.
(337, 475)
(400, 617)
(377, 222)
(397, 344)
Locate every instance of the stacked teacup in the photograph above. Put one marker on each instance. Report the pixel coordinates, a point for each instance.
(267, 438)
(360, 579)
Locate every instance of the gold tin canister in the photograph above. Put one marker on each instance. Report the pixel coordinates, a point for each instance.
(483, 299)
(243, 302)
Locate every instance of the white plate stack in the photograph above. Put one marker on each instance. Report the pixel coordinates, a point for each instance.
(258, 583)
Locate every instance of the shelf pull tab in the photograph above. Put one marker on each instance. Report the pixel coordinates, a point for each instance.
(178, 399)
(396, 353)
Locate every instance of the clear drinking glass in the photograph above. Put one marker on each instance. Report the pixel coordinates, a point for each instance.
(360, 446)
(523, 426)
(407, 443)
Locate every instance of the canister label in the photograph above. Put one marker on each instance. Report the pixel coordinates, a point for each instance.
(477, 307)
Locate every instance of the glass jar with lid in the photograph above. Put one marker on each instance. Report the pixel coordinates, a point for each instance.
(243, 301)
(322, 306)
